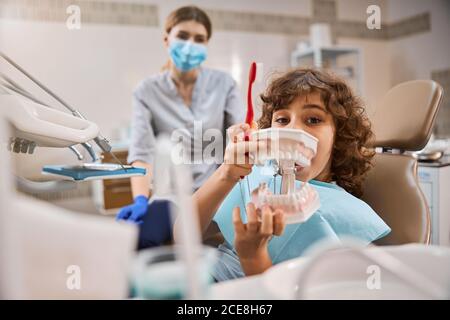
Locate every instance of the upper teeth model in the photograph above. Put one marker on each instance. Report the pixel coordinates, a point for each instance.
(287, 147)
(286, 144)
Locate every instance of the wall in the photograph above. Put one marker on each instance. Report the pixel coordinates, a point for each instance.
(424, 56)
(97, 67)
(415, 57)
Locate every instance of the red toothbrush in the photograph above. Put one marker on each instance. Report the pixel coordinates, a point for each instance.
(250, 113)
(251, 80)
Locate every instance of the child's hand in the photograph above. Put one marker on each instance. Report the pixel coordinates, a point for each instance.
(237, 162)
(251, 239)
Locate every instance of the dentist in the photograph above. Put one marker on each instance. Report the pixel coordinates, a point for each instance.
(182, 97)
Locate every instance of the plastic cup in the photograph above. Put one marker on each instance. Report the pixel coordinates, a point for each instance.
(158, 273)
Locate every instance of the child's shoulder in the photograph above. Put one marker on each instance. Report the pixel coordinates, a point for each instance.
(336, 201)
(348, 214)
(337, 196)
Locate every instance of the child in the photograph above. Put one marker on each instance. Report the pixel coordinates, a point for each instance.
(325, 107)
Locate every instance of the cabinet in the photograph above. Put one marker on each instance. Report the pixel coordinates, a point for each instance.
(434, 180)
(345, 62)
(112, 194)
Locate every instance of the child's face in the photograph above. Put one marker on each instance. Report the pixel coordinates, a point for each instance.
(310, 114)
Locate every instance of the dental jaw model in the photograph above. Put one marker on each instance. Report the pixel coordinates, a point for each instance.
(287, 149)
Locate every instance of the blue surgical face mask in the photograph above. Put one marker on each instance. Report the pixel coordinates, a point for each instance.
(187, 55)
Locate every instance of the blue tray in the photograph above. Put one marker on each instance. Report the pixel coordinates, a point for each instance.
(79, 173)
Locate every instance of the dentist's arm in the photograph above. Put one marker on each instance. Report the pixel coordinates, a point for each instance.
(140, 155)
(141, 185)
(142, 144)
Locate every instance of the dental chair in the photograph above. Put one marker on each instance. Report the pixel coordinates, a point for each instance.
(402, 123)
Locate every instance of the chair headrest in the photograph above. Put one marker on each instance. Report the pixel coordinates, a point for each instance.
(404, 119)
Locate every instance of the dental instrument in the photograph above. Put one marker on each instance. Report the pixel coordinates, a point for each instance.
(102, 142)
(38, 125)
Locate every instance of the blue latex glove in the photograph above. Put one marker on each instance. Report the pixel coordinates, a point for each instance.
(134, 212)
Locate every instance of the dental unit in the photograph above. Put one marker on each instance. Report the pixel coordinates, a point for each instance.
(36, 124)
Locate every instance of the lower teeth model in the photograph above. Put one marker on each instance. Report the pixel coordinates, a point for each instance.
(288, 147)
(298, 205)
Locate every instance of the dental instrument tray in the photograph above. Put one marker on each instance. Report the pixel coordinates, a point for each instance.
(93, 171)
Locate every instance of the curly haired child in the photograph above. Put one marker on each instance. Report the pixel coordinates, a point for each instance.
(324, 106)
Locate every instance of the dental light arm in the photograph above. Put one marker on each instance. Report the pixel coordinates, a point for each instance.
(101, 141)
(37, 124)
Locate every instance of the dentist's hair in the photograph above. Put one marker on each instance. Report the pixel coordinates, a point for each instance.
(351, 159)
